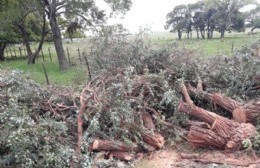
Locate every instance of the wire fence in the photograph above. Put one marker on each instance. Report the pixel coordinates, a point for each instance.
(47, 54)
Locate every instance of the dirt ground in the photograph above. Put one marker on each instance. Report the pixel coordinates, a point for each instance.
(171, 158)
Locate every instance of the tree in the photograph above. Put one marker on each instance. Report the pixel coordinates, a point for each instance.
(8, 33)
(84, 10)
(177, 19)
(226, 12)
(253, 17)
(198, 10)
(31, 23)
(25, 19)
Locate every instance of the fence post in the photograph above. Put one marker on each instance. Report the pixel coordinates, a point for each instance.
(15, 53)
(68, 55)
(50, 54)
(6, 52)
(232, 47)
(46, 75)
(20, 51)
(42, 56)
(87, 64)
(79, 55)
(10, 52)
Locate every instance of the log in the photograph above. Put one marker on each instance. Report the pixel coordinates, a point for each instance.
(223, 133)
(215, 98)
(242, 113)
(150, 136)
(105, 145)
(154, 139)
(148, 121)
(123, 156)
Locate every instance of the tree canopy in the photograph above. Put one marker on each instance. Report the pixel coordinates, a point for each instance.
(209, 16)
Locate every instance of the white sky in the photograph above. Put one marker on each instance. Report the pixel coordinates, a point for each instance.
(148, 14)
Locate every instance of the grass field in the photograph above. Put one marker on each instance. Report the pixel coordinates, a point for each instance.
(77, 74)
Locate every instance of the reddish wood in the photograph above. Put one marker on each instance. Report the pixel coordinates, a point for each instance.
(241, 113)
(153, 139)
(215, 98)
(124, 156)
(148, 121)
(223, 133)
(199, 85)
(105, 145)
(186, 94)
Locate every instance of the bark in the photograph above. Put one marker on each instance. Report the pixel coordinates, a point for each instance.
(150, 137)
(148, 121)
(105, 145)
(247, 113)
(223, 133)
(63, 63)
(154, 139)
(2, 51)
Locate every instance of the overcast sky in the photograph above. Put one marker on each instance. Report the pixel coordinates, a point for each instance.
(149, 14)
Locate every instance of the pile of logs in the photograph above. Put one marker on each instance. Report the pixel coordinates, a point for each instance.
(126, 152)
(216, 131)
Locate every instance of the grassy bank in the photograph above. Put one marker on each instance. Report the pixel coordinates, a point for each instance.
(76, 75)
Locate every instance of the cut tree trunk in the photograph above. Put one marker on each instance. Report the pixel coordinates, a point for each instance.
(223, 133)
(150, 137)
(105, 145)
(248, 112)
(154, 139)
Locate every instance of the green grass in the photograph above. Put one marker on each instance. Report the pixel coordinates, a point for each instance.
(76, 75)
(208, 47)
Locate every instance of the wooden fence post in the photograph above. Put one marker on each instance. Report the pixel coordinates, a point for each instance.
(45, 73)
(232, 47)
(10, 52)
(68, 55)
(42, 56)
(20, 51)
(15, 53)
(79, 55)
(87, 64)
(25, 53)
(50, 54)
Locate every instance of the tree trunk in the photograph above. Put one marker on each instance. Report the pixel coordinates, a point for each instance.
(32, 57)
(252, 30)
(198, 35)
(179, 34)
(63, 63)
(25, 37)
(202, 34)
(2, 51)
(222, 33)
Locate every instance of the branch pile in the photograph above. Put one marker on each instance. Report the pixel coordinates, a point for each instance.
(118, 107)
